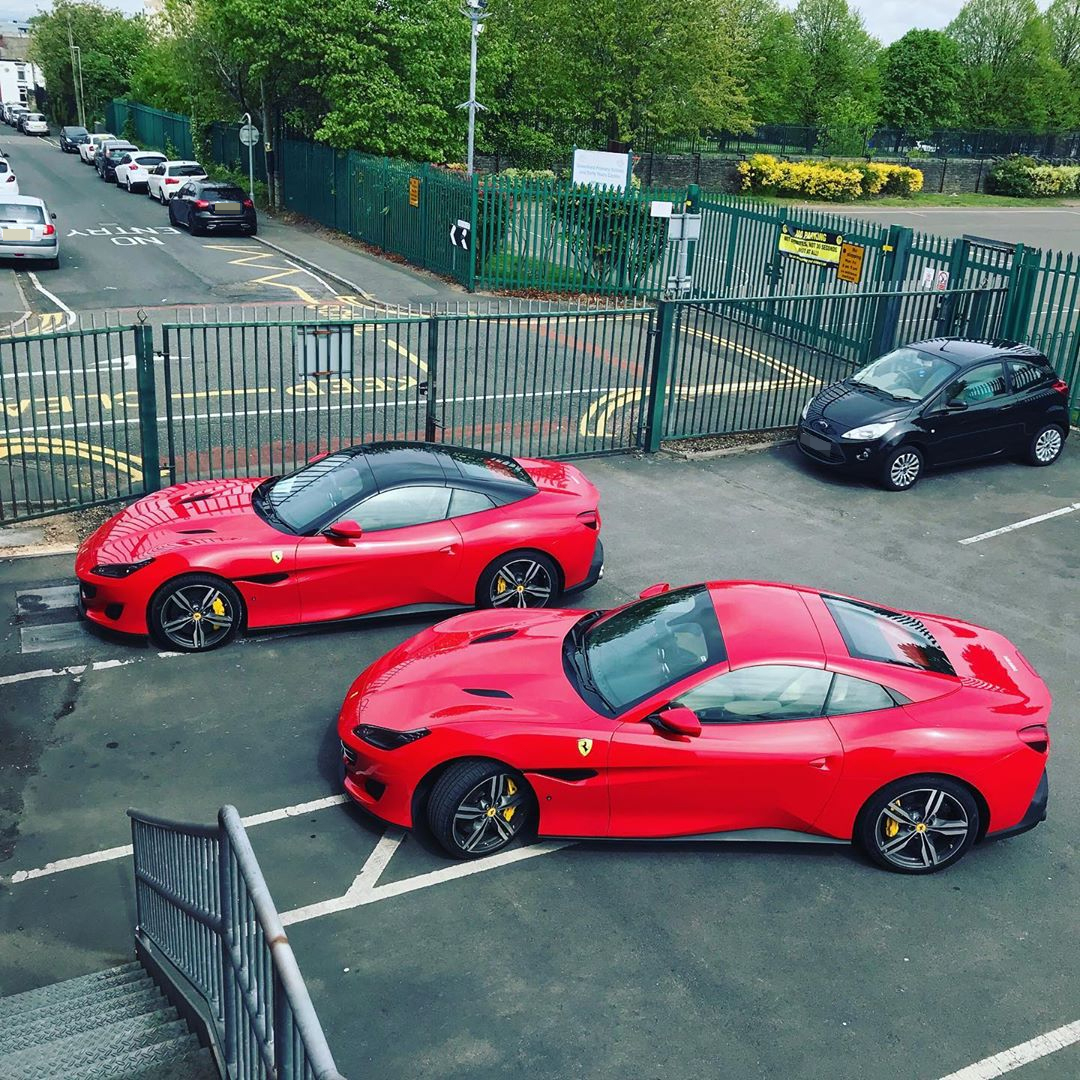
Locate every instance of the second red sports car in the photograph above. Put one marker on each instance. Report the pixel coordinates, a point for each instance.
(386, 527)
(732, 710)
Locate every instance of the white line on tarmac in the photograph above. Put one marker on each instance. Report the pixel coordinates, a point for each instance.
(1021, 524)
(77, 669)
(364, 890)
(108, 854)
(71, 316)
(1024, 1054)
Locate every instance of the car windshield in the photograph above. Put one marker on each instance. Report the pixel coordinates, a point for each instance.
(890, 637)
(307, 497)
(650, 645)
(905, 374)
(21, 214)
(72, 132)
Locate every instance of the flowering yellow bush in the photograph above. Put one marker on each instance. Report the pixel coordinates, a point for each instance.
(832, 181)
(1048, 180)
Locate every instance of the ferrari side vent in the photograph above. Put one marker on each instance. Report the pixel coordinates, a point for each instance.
(478, 692)
(495, 635)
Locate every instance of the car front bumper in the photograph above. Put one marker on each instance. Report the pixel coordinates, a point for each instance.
(844, 453)
(371, 780)
(113, 603)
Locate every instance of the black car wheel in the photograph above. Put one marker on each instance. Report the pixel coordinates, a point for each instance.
(172, 217)
(519, 579)
(1046, 445)
(902, 468)
(918, 825)
(479, 807)
(195, 613)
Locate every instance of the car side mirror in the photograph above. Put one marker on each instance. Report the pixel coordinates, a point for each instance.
(345, 530)
(676, 720)
(955, 406)
(53, 216)
(654, 590)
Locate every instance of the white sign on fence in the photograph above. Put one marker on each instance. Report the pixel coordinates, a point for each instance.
(602, 168)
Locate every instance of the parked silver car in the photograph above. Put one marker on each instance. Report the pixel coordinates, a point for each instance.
(27, 230)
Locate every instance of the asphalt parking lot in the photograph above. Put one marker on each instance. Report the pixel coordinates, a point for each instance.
(640, 960)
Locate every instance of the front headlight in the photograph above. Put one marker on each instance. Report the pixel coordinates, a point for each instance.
(119, 570)
(387, 739)
(869, 431)
(806, 409)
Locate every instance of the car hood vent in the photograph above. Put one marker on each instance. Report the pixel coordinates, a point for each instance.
(495, 635)
(194, 532)
(188, 499)
(481, 692)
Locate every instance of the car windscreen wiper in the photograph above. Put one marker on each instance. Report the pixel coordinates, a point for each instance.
(260, 499)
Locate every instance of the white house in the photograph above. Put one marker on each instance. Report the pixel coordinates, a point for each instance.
(17, 79)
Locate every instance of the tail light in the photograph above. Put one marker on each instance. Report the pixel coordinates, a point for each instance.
(171, 180)
(1062, 387)
(10, 178)
(201, 204)
(248, 204)
(50, 230)
(590, 519)
(1036, 736)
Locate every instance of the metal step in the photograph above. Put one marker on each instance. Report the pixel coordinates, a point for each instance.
(61, 1057)
(83, 986)
(39, 1026)
(178, 1059)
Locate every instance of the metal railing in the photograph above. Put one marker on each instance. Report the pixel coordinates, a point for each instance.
(202, 902)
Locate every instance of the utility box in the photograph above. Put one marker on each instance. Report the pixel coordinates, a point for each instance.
(324, 350)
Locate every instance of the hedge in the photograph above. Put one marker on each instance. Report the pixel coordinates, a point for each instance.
(833, 181)
(1026, 178)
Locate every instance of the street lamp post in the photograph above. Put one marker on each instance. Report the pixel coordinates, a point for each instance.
(474, 11)
(81, 93)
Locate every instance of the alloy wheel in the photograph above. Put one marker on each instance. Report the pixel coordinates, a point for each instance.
(490, 815)
(904, 470)
(521, 583)
(197, 616)
(1048, 445)
(922, 828)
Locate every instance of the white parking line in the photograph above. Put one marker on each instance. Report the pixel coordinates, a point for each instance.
(1021, 524)
(78, 669)
(109, 854)
(1024, 1054)
(71, 316)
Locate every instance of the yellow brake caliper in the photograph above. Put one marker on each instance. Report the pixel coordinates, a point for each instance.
(892, 827)
(511, 787)
(500, 585)
(218, 606)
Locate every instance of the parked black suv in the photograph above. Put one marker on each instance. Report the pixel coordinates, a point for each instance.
(213, 206)
(72, 137)
(939, 402)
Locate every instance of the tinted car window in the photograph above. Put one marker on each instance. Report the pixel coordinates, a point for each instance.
(768, 692)
(652, 644)
(891, 637)
(464, 502)
(982, 383)
(304, 498)
(401, 507)
(186, 170)
(1025, 375)
(224, 194)
(20, 214)
(153, 159)
(851, 695)
(4, 167)
(476, 465)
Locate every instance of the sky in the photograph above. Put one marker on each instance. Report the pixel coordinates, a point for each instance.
(887, 20)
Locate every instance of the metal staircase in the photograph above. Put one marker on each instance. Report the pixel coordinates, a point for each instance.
(113, 1025)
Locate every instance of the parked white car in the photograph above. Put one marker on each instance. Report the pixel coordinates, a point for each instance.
(35, 124)
(164, 181)
(9, 182)
(134, 168)
(88, 149)
(27, 231)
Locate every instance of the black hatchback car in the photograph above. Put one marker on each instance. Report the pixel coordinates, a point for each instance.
(71, 138)
(938, 402)
(213, 206)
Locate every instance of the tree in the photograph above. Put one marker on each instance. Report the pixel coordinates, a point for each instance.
(1063, 23)
(920, 83)
(838, 58)
(775, 64)
(846, 126)
(109, 44)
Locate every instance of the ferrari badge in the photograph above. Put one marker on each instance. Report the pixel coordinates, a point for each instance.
(277, 556)
(584, 746)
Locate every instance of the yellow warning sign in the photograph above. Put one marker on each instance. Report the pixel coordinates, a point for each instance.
(414, 190)
(810, 245)
(851, 263)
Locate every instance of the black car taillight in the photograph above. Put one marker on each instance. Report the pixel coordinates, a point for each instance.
(387, 739)
(1036, 736)
(590, 519)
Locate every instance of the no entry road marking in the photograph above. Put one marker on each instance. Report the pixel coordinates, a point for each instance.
(1024, 1054)
(1021, 524)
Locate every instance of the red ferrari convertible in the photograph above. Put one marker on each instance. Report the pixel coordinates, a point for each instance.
(387, 527)
(731, 710)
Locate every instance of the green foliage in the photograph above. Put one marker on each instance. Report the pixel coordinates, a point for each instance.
(846, 126)
(528, 174)
(129, 131)
(920, 83)
(1024, 177)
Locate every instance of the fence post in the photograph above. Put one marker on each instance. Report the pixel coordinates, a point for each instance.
(958, 257)
(147, 392)
(656, 392)
(693, 206)
(432, 421)
(474, 231)
(1021, 295)
(897, 252)
(228, 972)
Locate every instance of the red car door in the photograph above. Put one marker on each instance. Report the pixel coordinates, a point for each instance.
(408, 554)
(766, 757)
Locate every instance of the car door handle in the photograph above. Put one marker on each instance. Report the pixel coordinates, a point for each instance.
(450, 549)
(822, 763)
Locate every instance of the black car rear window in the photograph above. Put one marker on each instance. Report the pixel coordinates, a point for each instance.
(224, 193)
(478, 465)
(890, 637)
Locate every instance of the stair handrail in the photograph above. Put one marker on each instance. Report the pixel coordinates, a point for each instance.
(203, 903)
